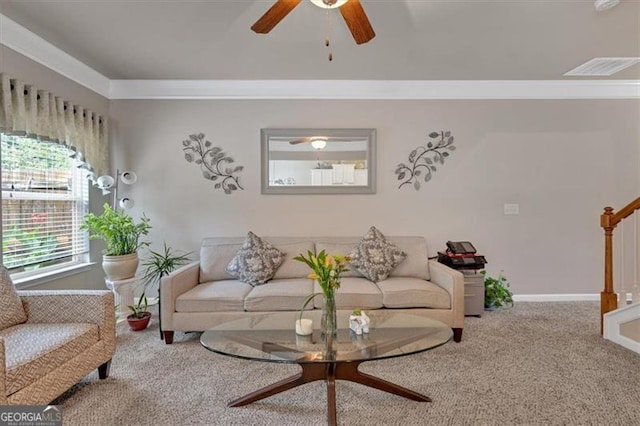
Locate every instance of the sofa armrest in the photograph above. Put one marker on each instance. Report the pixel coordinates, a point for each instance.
(173, 285)
(3, 375)
(452, 281)
(72, 306)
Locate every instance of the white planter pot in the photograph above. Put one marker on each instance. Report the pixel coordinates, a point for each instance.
(120, 267)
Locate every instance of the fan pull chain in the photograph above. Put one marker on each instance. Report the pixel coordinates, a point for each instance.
(327, 41)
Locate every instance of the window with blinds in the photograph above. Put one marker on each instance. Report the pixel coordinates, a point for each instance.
(44, 199)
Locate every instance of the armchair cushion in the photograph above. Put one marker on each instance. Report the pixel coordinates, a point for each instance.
(34, 350)
(11, 309)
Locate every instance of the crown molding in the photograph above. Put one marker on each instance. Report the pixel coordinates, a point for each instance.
(375, 89)
(23, 41)
(36, 48)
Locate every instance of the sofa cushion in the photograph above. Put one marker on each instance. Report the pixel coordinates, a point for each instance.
(279, 295)
(375, 257)
(223, 295)
(291, 268)
(214, 259)
(343, 249)
(404, 292)
(353, 293)
(11, 309)
(34, 350)
(416, 264)
(256, 261)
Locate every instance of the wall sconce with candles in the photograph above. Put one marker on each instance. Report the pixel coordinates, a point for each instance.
(107, 183)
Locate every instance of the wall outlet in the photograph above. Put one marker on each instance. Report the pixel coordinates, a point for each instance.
(511, 209)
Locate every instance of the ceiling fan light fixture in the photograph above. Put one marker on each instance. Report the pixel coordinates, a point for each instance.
(318, 143)
(601, 5)
(329, 4)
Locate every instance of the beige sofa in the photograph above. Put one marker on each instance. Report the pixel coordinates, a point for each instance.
(201, 295)
(67, 335)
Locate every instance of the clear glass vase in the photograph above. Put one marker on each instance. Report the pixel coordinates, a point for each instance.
(329, 321)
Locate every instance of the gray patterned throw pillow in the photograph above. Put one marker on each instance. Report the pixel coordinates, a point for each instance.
(256, 261)
(11, 309)
(375, 257)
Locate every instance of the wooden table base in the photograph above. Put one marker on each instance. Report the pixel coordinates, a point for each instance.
(329, 372)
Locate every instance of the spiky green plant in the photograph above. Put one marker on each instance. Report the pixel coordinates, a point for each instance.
(161, 263)
(156, 266)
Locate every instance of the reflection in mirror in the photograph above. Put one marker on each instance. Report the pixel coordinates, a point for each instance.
(318, 161)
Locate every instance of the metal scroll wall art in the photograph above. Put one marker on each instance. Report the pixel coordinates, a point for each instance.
(215, 164)
(423, 160)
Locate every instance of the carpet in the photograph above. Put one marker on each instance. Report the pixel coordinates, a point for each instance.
(534, 364)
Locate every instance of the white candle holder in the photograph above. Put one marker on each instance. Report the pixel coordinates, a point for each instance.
(304, 327)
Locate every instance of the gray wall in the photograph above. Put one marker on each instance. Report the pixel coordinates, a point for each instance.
(562, 161)
(18, 66)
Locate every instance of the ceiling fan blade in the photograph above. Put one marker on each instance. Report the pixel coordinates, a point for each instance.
(301, 140)
(357, 21)
(275, 14)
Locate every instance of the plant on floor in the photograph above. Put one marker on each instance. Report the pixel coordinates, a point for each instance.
(161, 263)
(496, 291)
(139, 309)
(156, 266)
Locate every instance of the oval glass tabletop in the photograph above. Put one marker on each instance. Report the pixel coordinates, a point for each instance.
(271, 337)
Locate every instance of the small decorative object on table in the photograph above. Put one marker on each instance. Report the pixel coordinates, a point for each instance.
(359, 322)
(326, 270)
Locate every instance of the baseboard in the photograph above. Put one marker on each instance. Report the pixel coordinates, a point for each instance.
(556, 297)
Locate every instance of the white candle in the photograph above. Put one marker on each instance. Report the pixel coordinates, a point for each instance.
(304, 327)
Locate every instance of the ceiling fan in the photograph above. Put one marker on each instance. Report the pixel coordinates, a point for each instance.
(351, 10)
(318, 142)
(308, 139)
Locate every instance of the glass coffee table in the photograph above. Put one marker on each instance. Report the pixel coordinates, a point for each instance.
(271, 338)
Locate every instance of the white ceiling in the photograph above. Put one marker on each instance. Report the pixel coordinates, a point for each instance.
(416, 39)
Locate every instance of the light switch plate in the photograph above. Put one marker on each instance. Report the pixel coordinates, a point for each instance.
(511, 209)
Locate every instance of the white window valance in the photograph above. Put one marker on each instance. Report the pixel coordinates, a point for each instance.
(27, 110)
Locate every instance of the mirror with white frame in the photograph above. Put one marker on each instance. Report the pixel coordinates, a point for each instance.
(318, 161)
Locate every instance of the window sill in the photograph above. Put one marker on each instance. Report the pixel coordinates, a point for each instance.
(38, 279)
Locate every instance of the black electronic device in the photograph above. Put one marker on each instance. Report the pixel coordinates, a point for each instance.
(461, 255)
(461, 247)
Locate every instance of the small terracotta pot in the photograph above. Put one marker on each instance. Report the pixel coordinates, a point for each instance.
(138, 324)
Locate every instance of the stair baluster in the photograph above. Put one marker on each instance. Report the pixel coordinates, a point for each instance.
(608, 221)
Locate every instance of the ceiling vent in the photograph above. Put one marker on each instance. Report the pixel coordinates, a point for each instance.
(602, 66)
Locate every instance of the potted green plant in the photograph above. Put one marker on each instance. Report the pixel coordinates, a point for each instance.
(496, 292)
(139, 318)
(122, 237)
(156, 266)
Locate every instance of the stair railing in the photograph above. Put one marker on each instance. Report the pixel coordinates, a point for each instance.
(609, 220)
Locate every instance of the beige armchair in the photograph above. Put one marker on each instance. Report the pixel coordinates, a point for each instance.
(67, 334)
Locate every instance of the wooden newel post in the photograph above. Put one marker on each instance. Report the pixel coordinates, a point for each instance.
(608, 299)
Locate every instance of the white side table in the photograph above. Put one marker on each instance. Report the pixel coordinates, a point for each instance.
(123, 292)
